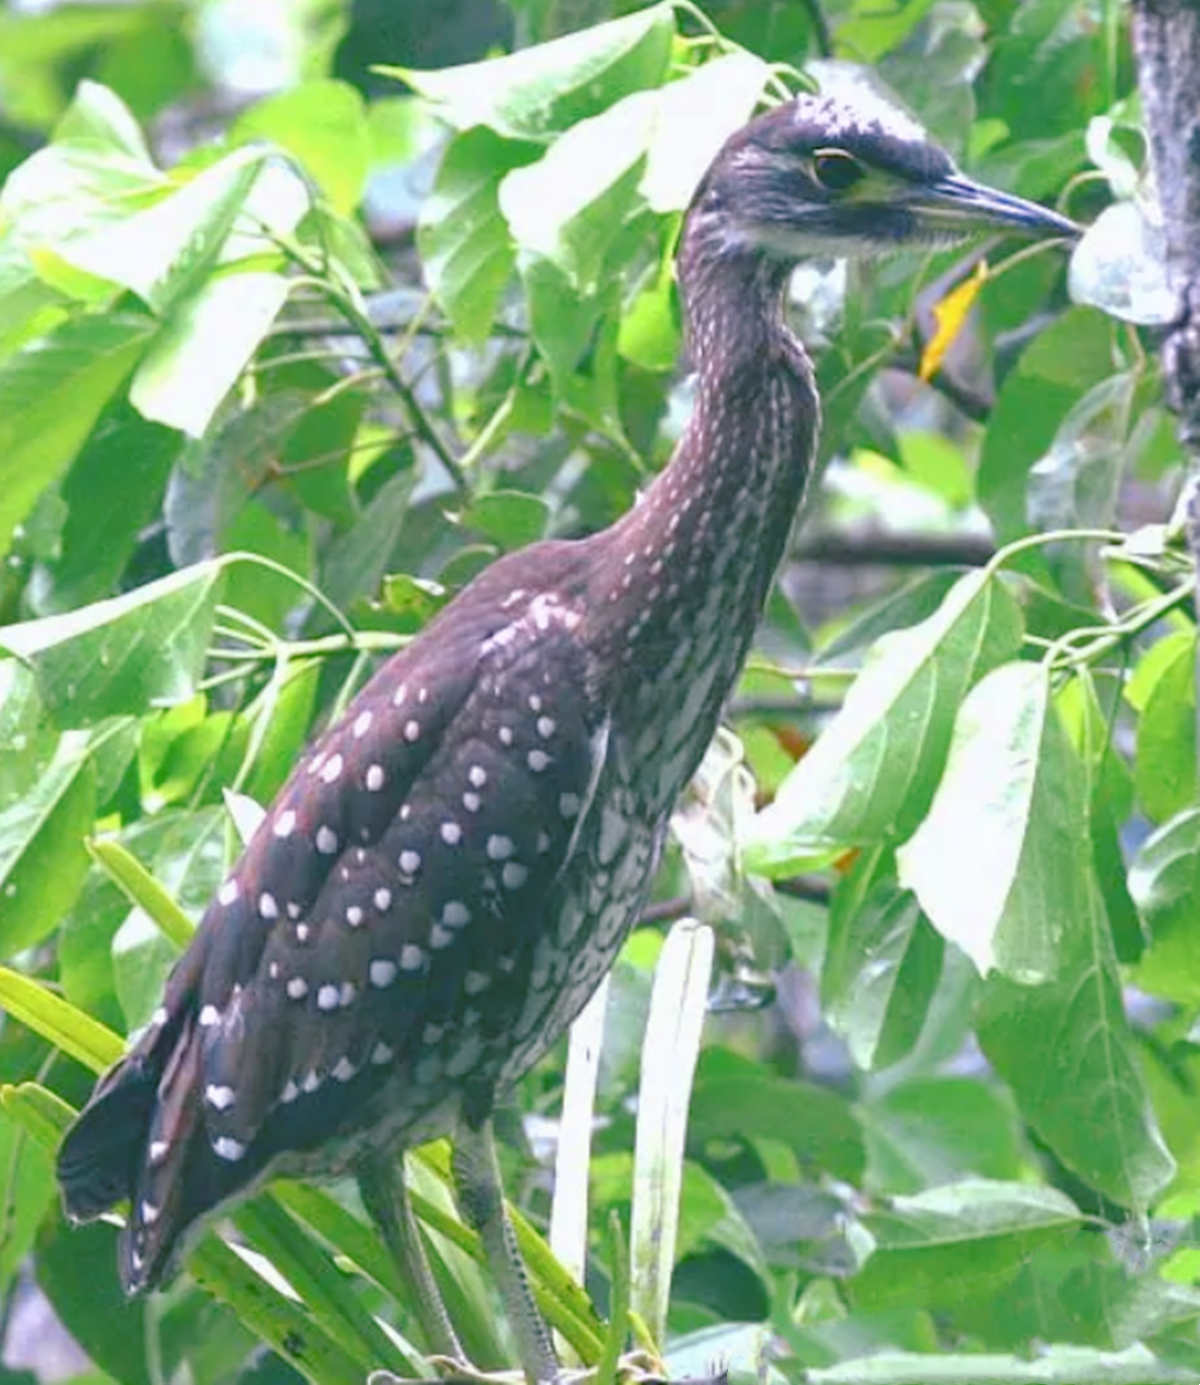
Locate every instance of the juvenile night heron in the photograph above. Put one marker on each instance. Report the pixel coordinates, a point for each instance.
(444, 880)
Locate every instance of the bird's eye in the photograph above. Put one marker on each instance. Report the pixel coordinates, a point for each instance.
(836, 170)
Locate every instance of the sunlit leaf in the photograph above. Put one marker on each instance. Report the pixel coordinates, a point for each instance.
(1120, 267)
(205, 345)
(543, 90)
(145, 648)
(42, 856)
(1000, 864)
(324, 125)
(873, 771)
(68, 1028)
(51, 394)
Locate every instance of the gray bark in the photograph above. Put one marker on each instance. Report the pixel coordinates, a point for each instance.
(1166, 41)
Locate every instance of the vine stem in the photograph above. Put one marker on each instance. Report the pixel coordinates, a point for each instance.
(348, 302)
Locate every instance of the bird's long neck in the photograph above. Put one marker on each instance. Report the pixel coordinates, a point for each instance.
(684, 576)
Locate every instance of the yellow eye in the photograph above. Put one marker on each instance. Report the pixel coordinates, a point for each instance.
(836, 170)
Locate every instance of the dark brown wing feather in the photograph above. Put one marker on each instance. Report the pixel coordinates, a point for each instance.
(373, 942)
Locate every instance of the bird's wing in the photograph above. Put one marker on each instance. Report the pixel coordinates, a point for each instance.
(389, 902)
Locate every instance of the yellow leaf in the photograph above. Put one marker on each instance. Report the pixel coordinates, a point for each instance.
(948, 316)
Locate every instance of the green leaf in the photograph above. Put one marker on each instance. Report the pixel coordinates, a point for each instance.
(514, 519)
(112, 492)
(1164, 881)
(930, 1131)
(43, 1114)
(1074, 485)
(281, 1323)
(166, 252)
(356, 560)
(66, 1027)
(882, 966)
(1066, 1051)
(1054, 1365)
(140, 887)
(739, 1100)
(649, 334)
(1067, 358)
(415, 600)
(1002, 864)
(42, 856)
(541, 91)
(51, 394)
(204, 346)
(121, 656)
(324, 126)
(28, 1187)
(97, 118)
(693, 118)
(328, 1296)
(569, 206)
(74, 1267)
(67, 191)
(908, 606)
(464, 240)
(872, 773)
(1120, 267)
(932, 1248)
(1165, 765)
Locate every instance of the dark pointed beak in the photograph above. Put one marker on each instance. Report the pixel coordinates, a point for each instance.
(958, 204)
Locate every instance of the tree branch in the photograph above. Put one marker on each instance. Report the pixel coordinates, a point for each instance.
(1166, 41)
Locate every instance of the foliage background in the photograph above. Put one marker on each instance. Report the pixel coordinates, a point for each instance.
(943, 1124)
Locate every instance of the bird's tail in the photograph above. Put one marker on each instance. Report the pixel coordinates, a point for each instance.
(134, 1141)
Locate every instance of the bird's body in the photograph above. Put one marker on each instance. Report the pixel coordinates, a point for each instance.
(444, 880)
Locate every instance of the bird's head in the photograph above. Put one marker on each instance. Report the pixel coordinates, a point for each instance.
(847, 172)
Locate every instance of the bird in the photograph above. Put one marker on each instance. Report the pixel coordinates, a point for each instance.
(451, 868)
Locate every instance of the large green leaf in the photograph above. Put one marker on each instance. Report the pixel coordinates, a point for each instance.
(167, 251)
(51, 394)
(882, 965)
(692, 119)
(1065, 1049)
(1165, 765)
(736, 1099)
(29, 1191)
(324, 125)
(569, 206)
(68, 1028)
(932, 1248)
(112, 492)
(872, 773)
(1071, 355)
(74, 1269)
(1002, 865)
(929, 1131)
(123, 655)
(1164, 880)
(544, 90)
(204, 346)
(1054, 1365)
(464, 241)
(1074, 485)
(42, 855)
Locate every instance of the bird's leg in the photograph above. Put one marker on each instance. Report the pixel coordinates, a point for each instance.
(481, 1201)
(384, 1193)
